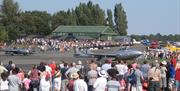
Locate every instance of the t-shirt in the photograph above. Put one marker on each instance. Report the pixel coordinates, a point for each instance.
(71, 70)
(26, 82)
(139, 77)
(106, 66)
(53, 67)
(155, 74)
(121, 68)
(100, 84)
(14, 83)
(4, 85)
(177, 75)
(144, 69)
(92, 76)
(80, 85)
(163, 72)
(113, 85)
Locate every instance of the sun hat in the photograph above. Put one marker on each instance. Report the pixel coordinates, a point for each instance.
(102, 73)
(164, 62)
(79, 62)
(74, 75)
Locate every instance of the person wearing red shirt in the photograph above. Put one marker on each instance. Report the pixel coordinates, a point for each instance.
(53, 67)
(177, 76)
(174, 61)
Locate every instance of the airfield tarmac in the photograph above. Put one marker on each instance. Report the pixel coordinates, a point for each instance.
(26, 62)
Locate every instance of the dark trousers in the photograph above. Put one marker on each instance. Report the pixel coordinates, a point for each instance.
(34, 85)
(154, 86)
(90, 87)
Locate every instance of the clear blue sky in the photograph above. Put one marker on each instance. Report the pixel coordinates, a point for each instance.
(144, 16)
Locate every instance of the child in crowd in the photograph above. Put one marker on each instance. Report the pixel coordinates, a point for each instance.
(26, 82)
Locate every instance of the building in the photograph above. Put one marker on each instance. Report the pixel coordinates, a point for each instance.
(84, 32)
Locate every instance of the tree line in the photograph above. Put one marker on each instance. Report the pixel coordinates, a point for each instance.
(158, 36)
(15, 23)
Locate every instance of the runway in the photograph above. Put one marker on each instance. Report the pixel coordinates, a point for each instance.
(26, 62)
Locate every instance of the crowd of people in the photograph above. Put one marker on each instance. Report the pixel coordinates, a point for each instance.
(161, 75)
(61, 45)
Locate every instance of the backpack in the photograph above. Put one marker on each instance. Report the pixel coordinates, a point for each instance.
(132, 78)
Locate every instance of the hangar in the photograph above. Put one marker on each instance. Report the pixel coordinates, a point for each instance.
(84, 32)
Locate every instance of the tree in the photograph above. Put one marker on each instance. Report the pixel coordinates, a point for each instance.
(35, 22)
(120, 20)
(10, 11)
(109, 18)
(3, 34)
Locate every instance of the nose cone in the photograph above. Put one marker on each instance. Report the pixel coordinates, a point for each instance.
(139, 53)
(136, 53)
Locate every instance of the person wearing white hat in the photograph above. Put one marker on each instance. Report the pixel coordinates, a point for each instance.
(101, 82)
(163, 75)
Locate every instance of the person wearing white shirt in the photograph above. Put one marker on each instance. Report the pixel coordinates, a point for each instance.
(121, 68)
(106, 66)
(101, 82)
(4, 83)
(79, 83)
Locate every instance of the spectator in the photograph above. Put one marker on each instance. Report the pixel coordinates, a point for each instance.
(154, 77)
(177, 76)
(64, 78)
(26, 82)
(70, 86)
(53, 68)
(71, 70)
(121, 68)
(163, 75)
(144, 69)
(9, 66)
(34, 77)
(4, 82)
(45, 81)
(57, 79)
(14, 81)
(2, 69)
(140, 79)
(113, 84)
(40, 67)
(101, 81)
(107, 65)
(92, 76)
(79, 83)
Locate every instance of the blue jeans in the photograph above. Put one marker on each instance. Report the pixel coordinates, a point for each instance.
(177, 84)
(52, 83)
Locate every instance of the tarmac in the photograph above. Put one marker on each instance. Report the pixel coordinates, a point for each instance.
(26, 62)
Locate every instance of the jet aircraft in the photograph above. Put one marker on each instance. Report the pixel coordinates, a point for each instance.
(20, 51)
(124, 54)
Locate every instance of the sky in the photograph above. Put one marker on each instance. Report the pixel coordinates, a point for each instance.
(144, 16)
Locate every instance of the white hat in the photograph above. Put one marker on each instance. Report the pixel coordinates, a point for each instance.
(79, 62)
(102, 73)
(164, 62)
(74, 75)
(156, 61)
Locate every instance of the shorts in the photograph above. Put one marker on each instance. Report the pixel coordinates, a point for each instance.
(57, 83)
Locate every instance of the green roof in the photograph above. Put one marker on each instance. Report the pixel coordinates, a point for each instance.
(84, 29)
